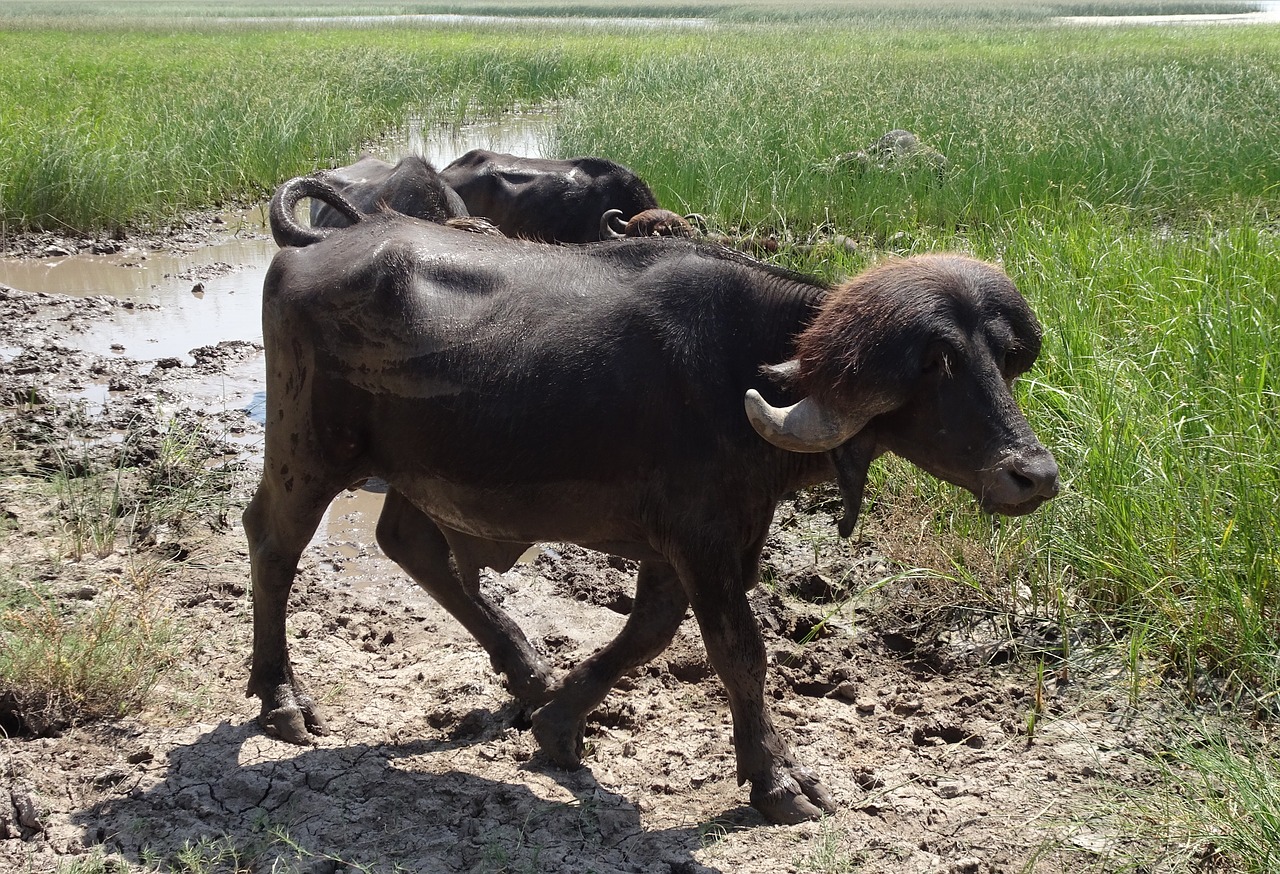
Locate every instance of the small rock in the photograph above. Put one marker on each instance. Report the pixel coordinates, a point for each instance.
(845, 691)
(26, 810)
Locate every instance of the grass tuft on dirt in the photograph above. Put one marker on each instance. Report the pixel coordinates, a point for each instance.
(62, 663)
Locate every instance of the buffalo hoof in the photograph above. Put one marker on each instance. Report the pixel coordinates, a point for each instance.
(292, 717)
(796, 795)
(559, 737)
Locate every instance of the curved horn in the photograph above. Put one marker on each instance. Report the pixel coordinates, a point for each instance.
(612, 225)
(806, 426)
(285, 228)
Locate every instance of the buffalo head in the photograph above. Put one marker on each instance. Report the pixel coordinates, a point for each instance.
(918, 357)
(647, 223)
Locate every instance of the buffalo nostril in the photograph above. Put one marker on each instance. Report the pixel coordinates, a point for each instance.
(1036, 473)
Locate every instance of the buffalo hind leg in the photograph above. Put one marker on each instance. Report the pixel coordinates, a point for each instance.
(781, 789)
(278, 523)
(412, 540)
(659, 608)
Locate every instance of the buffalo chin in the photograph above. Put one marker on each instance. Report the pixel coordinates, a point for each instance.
(1022, 509)
(852, 460)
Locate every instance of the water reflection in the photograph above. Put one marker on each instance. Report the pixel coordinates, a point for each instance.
(214, 293)
(528, 137)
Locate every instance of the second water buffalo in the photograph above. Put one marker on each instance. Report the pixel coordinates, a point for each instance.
(567, 200)
(411, 187)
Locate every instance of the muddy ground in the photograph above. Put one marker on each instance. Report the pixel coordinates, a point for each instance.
(919, 725)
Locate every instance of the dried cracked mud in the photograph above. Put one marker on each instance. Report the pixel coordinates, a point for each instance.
(917, 725)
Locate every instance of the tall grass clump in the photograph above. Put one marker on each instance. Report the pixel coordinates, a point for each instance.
(107, 133)
(757, 129)
(1220, 810)
(1158, 390)
(61, 664)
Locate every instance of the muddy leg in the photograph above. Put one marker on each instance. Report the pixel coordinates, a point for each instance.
(658, 610)
(412, 540)
(781, 789)
(279, 524)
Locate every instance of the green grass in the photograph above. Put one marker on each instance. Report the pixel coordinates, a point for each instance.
(78, 11)
(61, 665)
(67, 653)
(1221, 813)
(1158, 388)
(144, 126)
(1152, 120)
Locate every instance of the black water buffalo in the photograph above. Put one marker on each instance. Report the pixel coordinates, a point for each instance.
(554, 201)
(411, 186)
(652, 399)
(647, 223)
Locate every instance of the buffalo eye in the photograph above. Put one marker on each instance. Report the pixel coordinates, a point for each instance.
(1013, 362)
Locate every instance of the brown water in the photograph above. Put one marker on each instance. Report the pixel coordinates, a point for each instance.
(226, 304)
(224, 307)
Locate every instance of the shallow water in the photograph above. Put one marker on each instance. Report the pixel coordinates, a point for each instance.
(214, 293)
(1268, 13)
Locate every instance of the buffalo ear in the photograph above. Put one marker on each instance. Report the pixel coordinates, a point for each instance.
(782, 376)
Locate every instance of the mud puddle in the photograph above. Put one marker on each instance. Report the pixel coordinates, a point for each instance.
(183, 300)
(180, 300)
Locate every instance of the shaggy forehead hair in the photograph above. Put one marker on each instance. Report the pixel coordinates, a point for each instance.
(872, 333)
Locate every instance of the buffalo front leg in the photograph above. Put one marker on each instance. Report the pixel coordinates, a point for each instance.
(659, 608)
(279, 523)
(412, 540)
(781, 789)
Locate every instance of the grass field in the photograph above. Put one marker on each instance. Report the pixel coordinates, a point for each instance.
(1126, 177)
(726, 10)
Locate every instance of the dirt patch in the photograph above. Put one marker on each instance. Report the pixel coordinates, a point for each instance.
(196, 231)
(920, 733)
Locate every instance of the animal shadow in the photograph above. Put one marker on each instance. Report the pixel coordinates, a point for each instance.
(232, 799)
